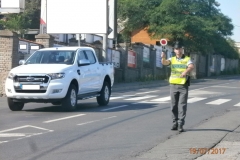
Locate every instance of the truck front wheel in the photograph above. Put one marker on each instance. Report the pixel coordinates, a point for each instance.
(15, 106)
(69, 103)
(105, 93)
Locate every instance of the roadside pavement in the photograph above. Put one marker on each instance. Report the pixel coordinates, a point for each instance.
(215, 139)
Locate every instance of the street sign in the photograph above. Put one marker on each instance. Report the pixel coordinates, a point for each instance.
(12, 6)
(163, 42)
(109, 30)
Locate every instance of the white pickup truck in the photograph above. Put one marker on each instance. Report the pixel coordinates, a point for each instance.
(60, 76)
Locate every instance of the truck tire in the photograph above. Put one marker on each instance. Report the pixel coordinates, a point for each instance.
(105, 93)
(15, 106)
(69, 103)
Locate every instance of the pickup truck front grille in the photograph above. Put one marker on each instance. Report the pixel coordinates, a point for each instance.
(41, 79)
(30, 91)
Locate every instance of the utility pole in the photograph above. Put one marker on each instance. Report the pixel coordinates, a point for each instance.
(79, 40)
(105, 37)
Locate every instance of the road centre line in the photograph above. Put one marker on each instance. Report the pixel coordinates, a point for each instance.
(96, 120)
(64, 118)
(114, 108)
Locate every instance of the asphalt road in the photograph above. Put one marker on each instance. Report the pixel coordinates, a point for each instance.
(134, 122)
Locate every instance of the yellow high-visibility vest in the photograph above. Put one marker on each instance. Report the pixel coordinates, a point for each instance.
(177, 67)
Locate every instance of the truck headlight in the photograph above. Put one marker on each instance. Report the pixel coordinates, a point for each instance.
(11, 75)
(57, 75)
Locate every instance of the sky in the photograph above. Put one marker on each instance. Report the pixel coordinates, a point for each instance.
(231, 8)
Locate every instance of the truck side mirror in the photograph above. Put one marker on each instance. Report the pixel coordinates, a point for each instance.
(83, 62)
(21, 62)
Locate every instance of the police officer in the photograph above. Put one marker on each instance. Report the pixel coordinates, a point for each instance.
(179, 81)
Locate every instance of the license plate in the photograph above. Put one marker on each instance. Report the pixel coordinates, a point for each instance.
(30, 87)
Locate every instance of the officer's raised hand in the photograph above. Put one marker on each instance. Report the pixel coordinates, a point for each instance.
(163, 55)
(164, 61)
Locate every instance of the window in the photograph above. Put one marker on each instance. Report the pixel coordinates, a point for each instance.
(90, 56)
(52, 57)
(81, 55)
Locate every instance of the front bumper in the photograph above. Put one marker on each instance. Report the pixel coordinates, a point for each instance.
(52, 90)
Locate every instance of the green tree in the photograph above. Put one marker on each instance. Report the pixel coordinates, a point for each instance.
(199, 23)
(21, 22)
(136, 13)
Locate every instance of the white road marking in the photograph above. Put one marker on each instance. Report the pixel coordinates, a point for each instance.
(161, 99)
(202, 92)
(41, 128)
(238, 105)
(114, 108)
(96, 121)
(112, 98)
(139, 98)
(3, 142)
(12, 135)
(226, 87)
(14, 129)
(19, 136)
(195, 99)
(219, 101)
(64, 118)
(205, 87)
(149, 102)
(148, 92)
(26, 126)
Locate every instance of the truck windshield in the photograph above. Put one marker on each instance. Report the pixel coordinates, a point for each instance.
(52, 57)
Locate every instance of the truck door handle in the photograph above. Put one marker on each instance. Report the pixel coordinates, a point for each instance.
(78, 71)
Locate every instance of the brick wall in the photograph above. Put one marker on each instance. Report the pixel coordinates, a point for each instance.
(45, 39)
(9, 56)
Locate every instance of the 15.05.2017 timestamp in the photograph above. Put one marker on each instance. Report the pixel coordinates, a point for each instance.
(207, 150)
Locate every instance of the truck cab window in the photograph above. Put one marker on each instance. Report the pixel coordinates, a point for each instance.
(81, 55)
(90, 56)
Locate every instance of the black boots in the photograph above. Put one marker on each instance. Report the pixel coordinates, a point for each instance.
(177, 127)
(180, 128)
(174, 127)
